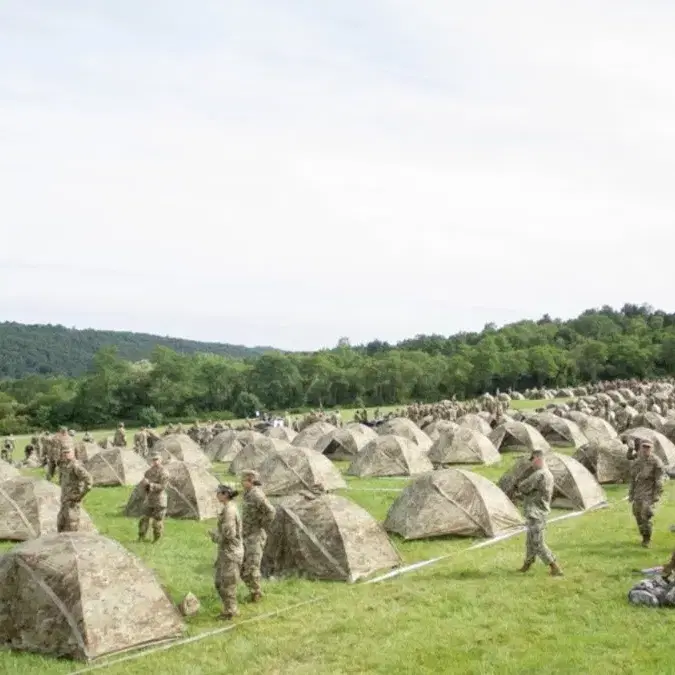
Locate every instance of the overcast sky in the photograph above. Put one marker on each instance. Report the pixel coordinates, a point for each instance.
(288, 172)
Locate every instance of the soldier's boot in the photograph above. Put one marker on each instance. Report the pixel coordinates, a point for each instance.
(555, 570)
(227, 616)
(256, 596)
(526, 566)
(157, 531)
(646, 541)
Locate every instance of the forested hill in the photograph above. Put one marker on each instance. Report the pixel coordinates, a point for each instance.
(57, 350)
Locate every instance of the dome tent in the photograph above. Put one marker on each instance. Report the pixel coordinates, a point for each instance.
(225, 446)
(451, 502)
(402, 426)
(438, 427)
(595, 428)
(389, 456)
(7, 471)
(557, 430)
(574, 486)
(606, 461)
(253, 455)
(191, 494)
(326, 537)
(82, 596)
(281, 433)
(85, 451)
(309, 436)
(518, 436)
(116, 467)
(475, 422)
(29, 508)
(182, 448)
(465, 446)
(297, 469)
(346, 442)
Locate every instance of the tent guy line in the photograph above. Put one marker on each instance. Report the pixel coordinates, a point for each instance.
(283, 610)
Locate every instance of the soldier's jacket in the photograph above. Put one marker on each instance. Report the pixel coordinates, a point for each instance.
(646, 479)
(141, 441)
(88, 438)
(537, 491)
(36, 442)
(75, 481)
(228, 534)
(120, 438)
(59, 443)
(257, 512)
(158, 477)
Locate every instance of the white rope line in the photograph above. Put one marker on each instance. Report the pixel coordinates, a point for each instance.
(351, 489)
(395, 573)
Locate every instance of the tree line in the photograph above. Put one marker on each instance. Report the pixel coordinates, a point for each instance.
(600, 344)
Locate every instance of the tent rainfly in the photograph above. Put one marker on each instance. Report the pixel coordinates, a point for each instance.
(326, 537)
(297, 469)
(182, 448)
(390, 456)
(29, 508)
(309, 436)
(558, 431)
(281, 433)
(346, 442)
(402, 426)
(253, 455)
(434, 429)
(116, 467)
(607, 461)
(465, 446)
(191, 494)
(452, 502)
(85, 451)
(475, 422)
(574, 488)
(518, 436)
(595, 428)
(7, 471)
(82, 596)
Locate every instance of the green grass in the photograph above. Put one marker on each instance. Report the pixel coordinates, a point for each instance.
(470, 613)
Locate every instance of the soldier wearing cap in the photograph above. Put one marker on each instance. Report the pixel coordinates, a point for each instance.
(645, 489)
(228, 536)
(75, 482)
(120, 439)
(154, 483)
(537, 492)
(257, 516)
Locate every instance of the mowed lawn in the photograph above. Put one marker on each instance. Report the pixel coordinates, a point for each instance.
(469, 613)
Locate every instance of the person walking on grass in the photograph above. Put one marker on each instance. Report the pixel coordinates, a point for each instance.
(646, 486)
(537, 492)
(154, 483)
(228, 536)
(257, 516)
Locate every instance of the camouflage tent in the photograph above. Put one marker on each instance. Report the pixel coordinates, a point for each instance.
(84, 451)
(253, 455)
(595, 428)
(606, 461)
(557, 430)
(402, 426)
(82, 596)
(326, 537)
(650, 420)
(7, 471)
(117, 466)
(465, 446)
(575, 486)
(668, 429)
(309, 436)
(390, 456)
(664, 449)
(281, 433)
(224, 447)
(438, 427)
(346, 442)
(513, 435)
(182, 448)
(297, 469)
(29, 507)
(475, 422)
(451, 502)
(191, 494)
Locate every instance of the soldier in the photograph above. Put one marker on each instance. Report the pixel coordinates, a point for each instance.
(36, 442)
(58, 443)
(646, 486)
(87, 438)
(228, 536)
(154, 483)
(7, 452)
(120, 439)
(537, 492)
(75, 482)
(141, 442)
(257, 516)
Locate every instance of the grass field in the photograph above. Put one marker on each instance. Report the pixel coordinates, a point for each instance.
(469, 613)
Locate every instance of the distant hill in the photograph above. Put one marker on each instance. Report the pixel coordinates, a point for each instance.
(57, 350)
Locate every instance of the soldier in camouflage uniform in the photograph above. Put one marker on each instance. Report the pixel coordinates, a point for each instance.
(57, 445)
(155, 482)
(257, 516)
(537, 492)
(87, 438)
(228, 536)
(7, 452)
(646, 486)
(141, 442)
(36, 442)
(120, 439)
(75, 482)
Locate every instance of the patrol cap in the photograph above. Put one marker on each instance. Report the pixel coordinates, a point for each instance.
(250, 474)
(536, 453)
(155, 455)
(645, 443)
(227, 490)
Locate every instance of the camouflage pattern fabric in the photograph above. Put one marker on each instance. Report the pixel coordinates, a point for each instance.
(646, 486)
(156, 501)
(257, 516)
(120, 438)
(75, 483)
(537, 490)
(228, 536)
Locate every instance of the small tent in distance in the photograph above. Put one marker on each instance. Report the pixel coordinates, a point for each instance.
(309, 436)
(346, 442)
(182, 448)
(390, 456)
(464, 446)
(607, 461)
(116, 466)
(402, 426)
(253, 455)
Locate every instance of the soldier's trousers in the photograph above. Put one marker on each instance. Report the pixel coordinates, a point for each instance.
(536, 544)
(68, 519)
(250, 568)
(154, 515)
(51, 469)
(226, 578)
(643, 510)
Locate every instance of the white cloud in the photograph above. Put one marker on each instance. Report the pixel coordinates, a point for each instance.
(287, 173)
